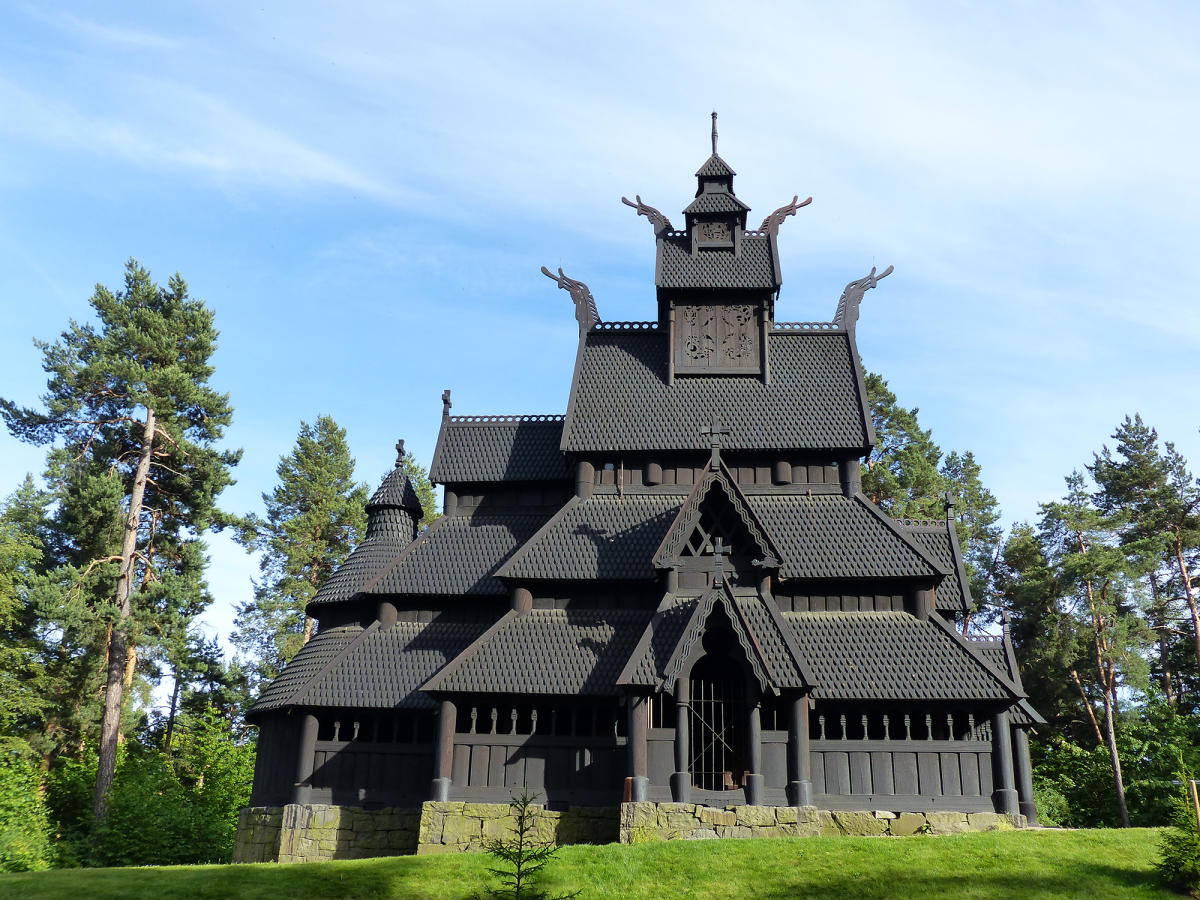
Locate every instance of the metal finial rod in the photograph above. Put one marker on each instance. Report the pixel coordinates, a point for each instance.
(714, 132)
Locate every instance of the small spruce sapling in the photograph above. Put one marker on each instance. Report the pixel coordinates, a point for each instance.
(522, 855)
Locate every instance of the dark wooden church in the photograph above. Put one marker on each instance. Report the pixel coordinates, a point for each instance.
(675, 591)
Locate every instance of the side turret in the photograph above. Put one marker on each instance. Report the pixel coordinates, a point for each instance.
(394, 510)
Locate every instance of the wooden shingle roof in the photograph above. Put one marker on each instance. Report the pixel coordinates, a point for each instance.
(547, 651)
(892, 656)
(457, 555)
(498, 448)
(372, 668)
(835, 536)
(622, 399)
(755, 268)
(607, 536)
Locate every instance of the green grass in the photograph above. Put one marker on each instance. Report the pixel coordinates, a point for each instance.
(1086, 864)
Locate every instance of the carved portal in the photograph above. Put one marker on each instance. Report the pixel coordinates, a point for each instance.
(711, 339)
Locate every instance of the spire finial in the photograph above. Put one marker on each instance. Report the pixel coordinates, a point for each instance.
(714, 132)
(399, 453)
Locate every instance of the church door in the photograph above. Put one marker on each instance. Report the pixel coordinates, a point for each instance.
(718, 707)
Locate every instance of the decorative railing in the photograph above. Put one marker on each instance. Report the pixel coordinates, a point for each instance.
(900, 727)
(806, 326)
(625, 326)
(921, 523)
(469, 420)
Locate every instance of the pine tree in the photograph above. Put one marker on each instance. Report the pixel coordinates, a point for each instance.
(315, 516)
(902, 474)
(22, 669)
(136, 422)
(1156, 500)
(976, 516)
(1081, 543)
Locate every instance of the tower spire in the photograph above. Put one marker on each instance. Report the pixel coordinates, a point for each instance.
(714, 132)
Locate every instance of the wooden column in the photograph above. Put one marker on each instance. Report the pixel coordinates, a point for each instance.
(924, 604)
(443, 752)
(851, 473)
(755, 780)
(305, 759)
(522, 599)
(387, 613)
(1025, 802)
(681, 779)
(800, 790)
(1004, 797)
(639, 781)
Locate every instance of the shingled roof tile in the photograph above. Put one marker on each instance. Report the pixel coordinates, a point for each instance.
(311, 659)
(383, 669)
(953, 593)
(457, 555)
(678, 267)
(606, 536)
(499, 448)
(547, 651)
(622, 399)
(834, 536)
(715, 202)
(890, 656)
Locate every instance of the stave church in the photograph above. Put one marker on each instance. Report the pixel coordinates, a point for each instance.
(672, 593)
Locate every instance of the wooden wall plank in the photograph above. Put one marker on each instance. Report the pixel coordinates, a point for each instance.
(881, 773)
(905, 765)
(951, 775)
(929, 774)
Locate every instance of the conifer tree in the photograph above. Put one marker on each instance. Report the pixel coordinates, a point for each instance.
(129, 406)
(1081, 543)
(315, 516)
(1157, 502)
(902, 474)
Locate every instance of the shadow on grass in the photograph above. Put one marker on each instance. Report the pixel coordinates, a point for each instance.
(1087, 880)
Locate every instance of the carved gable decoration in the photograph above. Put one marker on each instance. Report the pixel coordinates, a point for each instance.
(715, 520)
(717, 339)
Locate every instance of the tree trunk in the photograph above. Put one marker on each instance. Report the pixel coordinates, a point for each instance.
(309, 625)
(1111, 735)
(171, 715)
(1161, 631)
(1187, 590)
(1087, 705)
(110, 722)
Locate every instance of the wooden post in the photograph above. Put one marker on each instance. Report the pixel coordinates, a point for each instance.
(387, 614)
(924, 604)
(800, 790)
(522, 599)
(305, 760)
(1004, 797)
(638, 724)
(443, 753)
(585, 478)
(1024, 775)
(754, 780)
(681, 779)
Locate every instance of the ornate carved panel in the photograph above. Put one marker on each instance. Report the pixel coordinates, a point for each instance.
(712, 339)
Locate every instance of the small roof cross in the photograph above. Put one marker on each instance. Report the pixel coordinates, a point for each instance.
(714, 433)
(719, 553)
(399, 452)
(714, 132)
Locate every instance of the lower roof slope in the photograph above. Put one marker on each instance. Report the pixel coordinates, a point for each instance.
(457, 555)
(372, 668)
(892, 656)
(473, 449)
(606, 536)
(953, 593)
(835, 536)
(547, 651)
(622, 399)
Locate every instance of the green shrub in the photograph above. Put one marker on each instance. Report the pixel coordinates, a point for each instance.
(24, 823)
(1179, 849)
(1052, 807)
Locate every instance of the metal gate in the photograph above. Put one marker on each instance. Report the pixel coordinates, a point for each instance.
(716, 729)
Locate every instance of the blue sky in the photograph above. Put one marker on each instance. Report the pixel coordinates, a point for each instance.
(365, 195)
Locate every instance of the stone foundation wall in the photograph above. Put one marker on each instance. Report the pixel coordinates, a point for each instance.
(305, 833)
(296, 833)
(456, 826)
(643, 822)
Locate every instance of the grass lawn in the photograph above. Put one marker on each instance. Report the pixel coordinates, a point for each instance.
(1087, 864)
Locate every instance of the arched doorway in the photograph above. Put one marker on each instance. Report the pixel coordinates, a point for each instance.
(717, 725)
